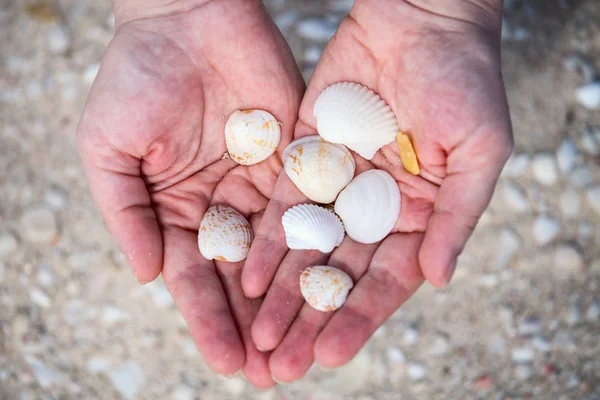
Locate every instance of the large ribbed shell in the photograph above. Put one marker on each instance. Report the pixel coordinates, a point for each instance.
(251, 136)
(355, 116)
(369, 206)
(325, 288)
(310, 227)
(224, 234)
(319, 169)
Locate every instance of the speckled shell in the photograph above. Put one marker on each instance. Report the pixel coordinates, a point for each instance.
(319, 169)
(369, 206)
(355, 116)
(251, 136)
(310, 227)
(325, 288)
(224, 234)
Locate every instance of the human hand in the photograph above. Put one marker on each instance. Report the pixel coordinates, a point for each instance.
(438, 67)
(151, 139)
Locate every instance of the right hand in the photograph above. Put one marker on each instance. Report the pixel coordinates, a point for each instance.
(151, 139)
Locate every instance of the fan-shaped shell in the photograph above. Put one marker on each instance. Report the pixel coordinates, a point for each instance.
(224, 234)
(369, 206)
(325, 288)
(310, 227)
(319, 169)
(355, 116)
(251, 136)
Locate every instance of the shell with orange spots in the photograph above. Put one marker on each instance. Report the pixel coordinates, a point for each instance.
(325, 288)
(224, 234)
(319, 169)
(251, 136)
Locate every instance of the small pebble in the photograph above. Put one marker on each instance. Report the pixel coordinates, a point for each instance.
(183, 392)
(410, 335)
(570, 203)
(510, 243)
(90, 73)
(312, 54)
(286, 19)
(128, 379)
(417, 371)
(568, 261)
(523, 372)
(541, 344)
(544, 168)
(160, 294)
(522, 355)
(515, 196)
(315, 29)
(39, 225)
(440, 345)
(58, 40)
(581, 176)
(545, 230)
(8, 245)
(39, 297)
(589, 95)
(589, 142)
(112, 314)
(95, 365)
(235, 386)
(395, 355)
(488, 280)
(57, 198)
(566, 155)
(592, 194)
(45, 275)
(516, 165)
(530, 325)
(593, 312)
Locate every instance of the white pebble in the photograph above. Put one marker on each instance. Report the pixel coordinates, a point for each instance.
(522, 355)
(45, 275)
(544, 168)
(96, 364)
(570, 203)
(523, 372)
(440, 345)
(128, 379)
(312, 54)
(39, 225)
(410, 336)
(573, 315)
(39, 297)
(593, 312)
(58, 40)
(235, 386)
(566, 155)
(589, 142)
(57, 198)
(589, 95)
(568, 261)
(417, 371)
(592, 194)
(541, 344)
(315, 29)
(112, 314)
(8, 245)
(545, 230)
(515, 196)
(531, 325)
(89, 75)
(516, 165)
(160, 294)
(488, 280)
(286, 19)
(395, 355)
(510, 243)
(183, 392)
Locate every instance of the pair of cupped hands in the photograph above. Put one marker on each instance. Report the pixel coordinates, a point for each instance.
(152, 142)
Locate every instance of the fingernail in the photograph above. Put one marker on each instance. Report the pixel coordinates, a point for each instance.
(276, 381)
(450, 273)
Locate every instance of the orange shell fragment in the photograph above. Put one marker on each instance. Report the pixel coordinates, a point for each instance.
(407, 154)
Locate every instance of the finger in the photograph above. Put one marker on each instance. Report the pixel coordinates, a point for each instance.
(283, 300)
(125, 205)
(473, 170)
(393, 276)
(295, 354)
(199, 295)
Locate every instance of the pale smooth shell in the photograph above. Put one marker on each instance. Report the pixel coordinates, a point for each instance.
(319, 169)
(355, 116)
(310, 227)
(251, 136)
(325, 288)
(369, 206)
(224, 234)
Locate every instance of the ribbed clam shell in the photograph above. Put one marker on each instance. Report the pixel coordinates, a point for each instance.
(319, 169)
(224, 234)
(369, 206)
(310, 227)
(355, 116)
(251, 136)
(325, 288)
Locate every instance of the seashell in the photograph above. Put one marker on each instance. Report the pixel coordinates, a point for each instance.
(224, 234)
(325, 288)
(310, 227)
(369, 206)
(355, 116)
(319, 169)
(251, 136)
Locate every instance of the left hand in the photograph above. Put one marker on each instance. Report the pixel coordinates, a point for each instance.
(439, 70)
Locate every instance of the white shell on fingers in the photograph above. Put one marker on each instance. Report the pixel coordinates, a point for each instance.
(319, 169)
(310, 227)
(355, 116)
(224, 234)
(251, 136)
(369, 206)
(325, 288)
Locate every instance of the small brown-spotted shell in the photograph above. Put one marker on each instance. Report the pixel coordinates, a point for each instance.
(224, 234)
(325, 288)
(251, 136)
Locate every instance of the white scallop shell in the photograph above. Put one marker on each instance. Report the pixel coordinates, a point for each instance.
(251, 136)
(224, 234)
(369, 206)
(325, 288)
(319, 169)
(310, 227)
(353, 115)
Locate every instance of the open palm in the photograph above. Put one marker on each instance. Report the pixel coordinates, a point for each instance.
(152, 142)
(441, 77)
